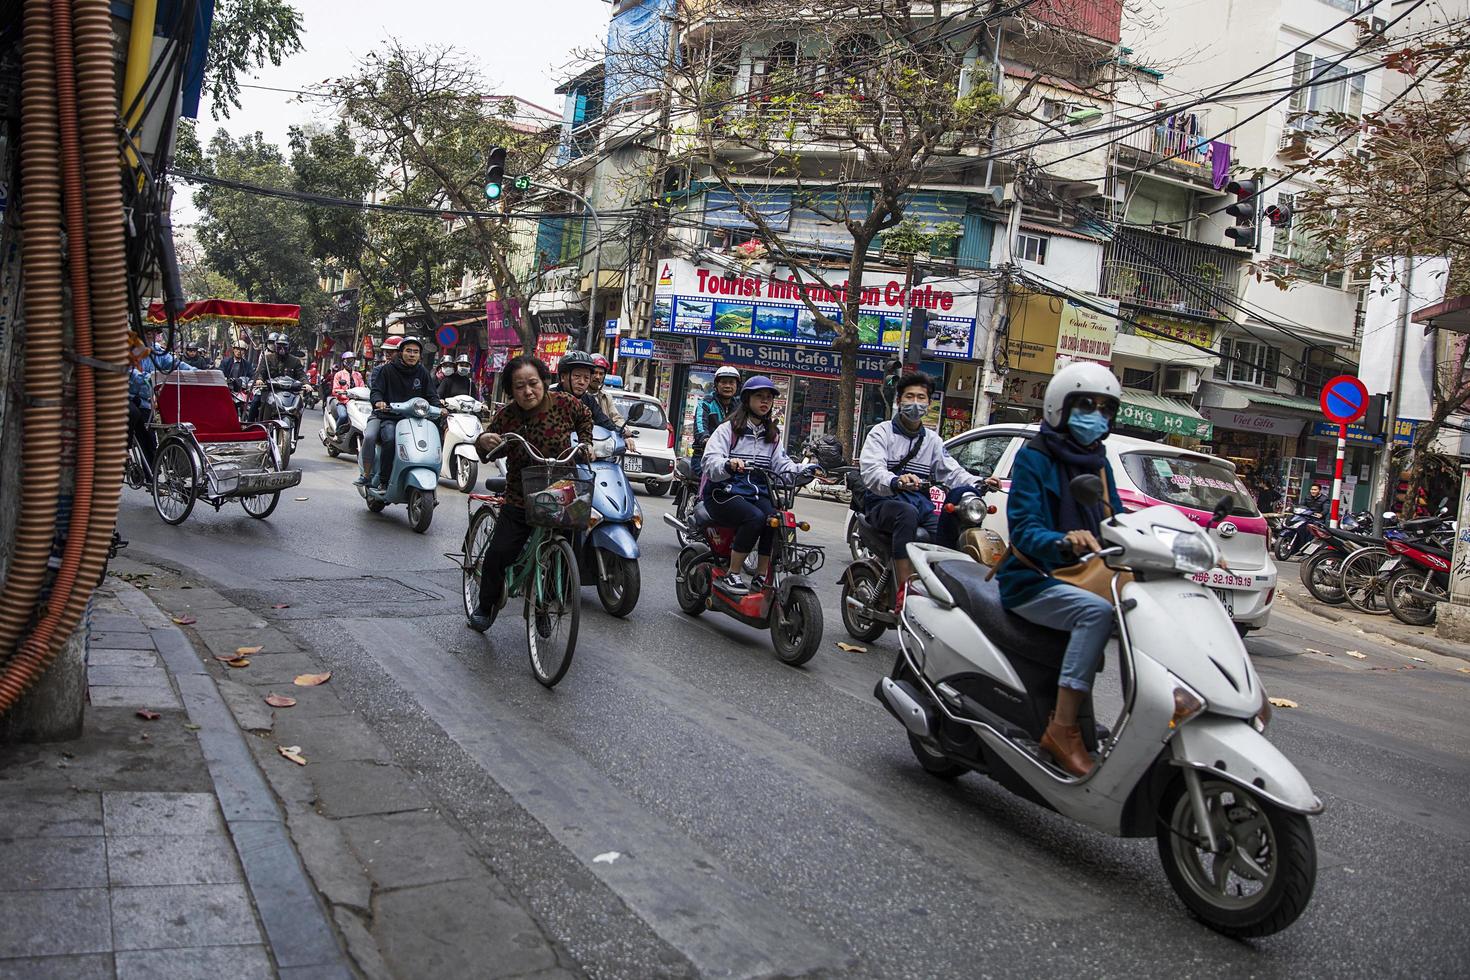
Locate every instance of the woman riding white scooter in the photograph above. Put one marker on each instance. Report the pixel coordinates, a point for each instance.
(1050, 529)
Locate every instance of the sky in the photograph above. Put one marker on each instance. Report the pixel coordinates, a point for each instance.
(524, 47)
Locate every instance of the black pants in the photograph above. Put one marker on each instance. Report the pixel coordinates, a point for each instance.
(387, 443)
(900, 517)
(142, 435)
(748, 517)
(507, 541)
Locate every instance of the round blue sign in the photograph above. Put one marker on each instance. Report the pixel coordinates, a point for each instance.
(446, 337)
(1344, 399)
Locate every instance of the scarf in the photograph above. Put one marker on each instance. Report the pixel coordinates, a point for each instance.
(1074, 461)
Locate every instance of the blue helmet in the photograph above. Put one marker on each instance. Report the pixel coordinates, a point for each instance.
(758, 383)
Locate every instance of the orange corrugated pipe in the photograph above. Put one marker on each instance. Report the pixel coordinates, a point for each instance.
(42, 274)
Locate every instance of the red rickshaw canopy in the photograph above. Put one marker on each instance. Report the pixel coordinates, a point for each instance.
(231, 309)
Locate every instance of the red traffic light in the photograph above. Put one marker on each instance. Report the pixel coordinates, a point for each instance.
(1279, 215)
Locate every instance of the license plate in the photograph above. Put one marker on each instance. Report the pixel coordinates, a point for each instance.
(1311, 549)
(1227, 599)
(1389, 566)
(1220, 578)
(632, 464)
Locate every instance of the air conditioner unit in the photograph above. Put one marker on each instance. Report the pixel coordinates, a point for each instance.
(1362, 154)
(1181, 380)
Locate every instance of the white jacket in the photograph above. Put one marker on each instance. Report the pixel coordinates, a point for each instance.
(751, 447)
(886, 446)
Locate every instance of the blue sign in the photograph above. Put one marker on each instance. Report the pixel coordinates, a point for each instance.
(1403, 433)
(1344, 399)
(610, 328)
(816, 362)
(629, 347)
(446, 337)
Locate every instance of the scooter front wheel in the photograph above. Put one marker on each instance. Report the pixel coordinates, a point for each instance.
(466, 471)
(796, 627)
(420, 509)
(619, 588)
(1261, 875)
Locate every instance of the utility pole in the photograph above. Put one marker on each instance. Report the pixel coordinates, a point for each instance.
(587, 339)
(1387, 474)
(983, 397)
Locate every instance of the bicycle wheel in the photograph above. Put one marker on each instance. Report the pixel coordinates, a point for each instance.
(476, 540)
(174, 482)
(553, 609)
(1365, 589)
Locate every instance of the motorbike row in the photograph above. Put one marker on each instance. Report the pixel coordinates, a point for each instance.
(1405, 572)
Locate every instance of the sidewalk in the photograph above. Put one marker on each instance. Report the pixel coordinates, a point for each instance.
(1294, 594)
(151, 847)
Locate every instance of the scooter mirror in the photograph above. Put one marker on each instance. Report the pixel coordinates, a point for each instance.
(1087, 489)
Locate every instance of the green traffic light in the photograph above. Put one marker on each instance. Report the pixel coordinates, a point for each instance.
(523, 183)
(492, 191)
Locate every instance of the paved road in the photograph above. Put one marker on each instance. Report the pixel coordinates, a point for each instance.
(771, 821)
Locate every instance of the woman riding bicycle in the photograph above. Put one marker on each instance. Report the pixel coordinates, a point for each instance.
(748, 440)
(545, 419)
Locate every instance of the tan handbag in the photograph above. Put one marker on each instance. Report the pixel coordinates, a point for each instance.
(1090, 576)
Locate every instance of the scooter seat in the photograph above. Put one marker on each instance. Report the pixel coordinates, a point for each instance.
(495, 484)
(879, 541)
(980, 599)
(1364, 540)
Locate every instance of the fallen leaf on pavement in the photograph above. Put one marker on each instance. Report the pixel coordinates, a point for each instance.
(147, 714)
(1419, 660)
(227, 656)
(185, 620)
(279, 700)
(1356, 655)
(190, 726)
(1310, 650)
(312, 680)
(1283, 703)
(851, 648)
(281, 605)
(1465, 670)
(238, 662)
(247, 651)
(606, 858)
(292, 752)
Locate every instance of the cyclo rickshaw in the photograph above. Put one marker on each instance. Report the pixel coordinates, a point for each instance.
(206, 453)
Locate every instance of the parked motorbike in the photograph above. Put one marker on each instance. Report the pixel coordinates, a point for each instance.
(607, 552)
(1422, 582)
(1293, 535)
(416, 461)
(1188, 764)
(786, 603)
(461, 462)
(832, 483)
(283, 403)
(869, 587)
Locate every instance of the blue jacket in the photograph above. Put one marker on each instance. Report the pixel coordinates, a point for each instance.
(1031, 512)
(708, 415)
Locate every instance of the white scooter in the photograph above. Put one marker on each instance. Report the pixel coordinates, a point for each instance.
(461, 464)
(346, 439)
(1187, 762)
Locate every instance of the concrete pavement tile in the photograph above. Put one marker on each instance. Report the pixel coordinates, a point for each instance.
(204, 859)
(252, 713)
(213, 962)
(31, 863)
(116, 622)
(354, 789)
(119, 658)
(155, 696)
(405, 849)
(311, 702)
(56, 815)
(149, 675)
(295, 922)
(342, 737)
(269, 638)
(121, 641)
(335, 971)
(231, 618)
(280, 669)
(361, 945)
(174, 916)
(462, 928)
(176, 600)
(87, 966)
(45, 923)
(336, 871)
(161, 814)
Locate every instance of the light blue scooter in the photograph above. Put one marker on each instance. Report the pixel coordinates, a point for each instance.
(607, 552)
(416, 461)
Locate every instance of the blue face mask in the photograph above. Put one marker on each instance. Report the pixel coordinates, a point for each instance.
(1087, 427)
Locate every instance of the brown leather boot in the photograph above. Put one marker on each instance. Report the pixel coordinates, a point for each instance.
(1065, 744)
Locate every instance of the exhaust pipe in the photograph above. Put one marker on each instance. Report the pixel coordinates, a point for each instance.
(675, 523)
(904, 704)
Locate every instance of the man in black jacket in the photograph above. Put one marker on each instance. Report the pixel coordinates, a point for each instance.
(400, 379)
(237, 368)
(456, 378)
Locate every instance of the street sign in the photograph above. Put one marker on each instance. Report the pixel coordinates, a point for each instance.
(610, 328)
(447, 336)
(1344, 399)
(629, 347)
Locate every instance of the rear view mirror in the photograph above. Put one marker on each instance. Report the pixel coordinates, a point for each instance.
(1087, 489)
(635, 412)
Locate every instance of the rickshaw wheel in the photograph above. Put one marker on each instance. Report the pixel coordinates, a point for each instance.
(175, 479)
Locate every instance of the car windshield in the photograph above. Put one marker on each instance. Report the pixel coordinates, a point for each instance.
(1188, 481)
(644, 414)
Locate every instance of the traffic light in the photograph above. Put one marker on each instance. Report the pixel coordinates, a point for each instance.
(494, 173)
(1243, 235)
(918, 335)
(1279, 214)
(1375, 421)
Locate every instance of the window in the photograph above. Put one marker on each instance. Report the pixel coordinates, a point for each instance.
(1031, 248)
(1309, 258)
(1051, 109)
(1322, 87)
(1196, 482)
(982, 455)
(1139, 378)
(1250, 362)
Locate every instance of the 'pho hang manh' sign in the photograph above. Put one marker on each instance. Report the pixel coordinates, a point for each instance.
(709, 301)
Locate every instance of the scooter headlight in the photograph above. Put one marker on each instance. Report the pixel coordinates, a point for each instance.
(1193, 552)
(972, 510)
(419, 410)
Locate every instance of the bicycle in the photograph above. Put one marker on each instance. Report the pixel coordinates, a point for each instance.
(558, 502)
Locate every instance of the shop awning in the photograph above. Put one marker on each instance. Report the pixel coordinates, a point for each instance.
(229, 309)
(1156, 413)
(1285, 401)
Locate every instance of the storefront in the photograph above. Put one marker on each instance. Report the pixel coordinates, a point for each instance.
(1046, 332)
(762, 324)
(1146, 415)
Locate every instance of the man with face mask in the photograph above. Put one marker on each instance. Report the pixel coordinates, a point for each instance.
(898, 462)
(456, 378)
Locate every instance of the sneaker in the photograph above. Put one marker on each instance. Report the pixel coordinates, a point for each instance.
(732, 583)
(757, 583)
(361, 481)
(479, 620)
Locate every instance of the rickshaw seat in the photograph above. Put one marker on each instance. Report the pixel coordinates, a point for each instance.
(203, 399)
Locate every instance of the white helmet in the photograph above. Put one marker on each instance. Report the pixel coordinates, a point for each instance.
(1082, 377)
(727, 372)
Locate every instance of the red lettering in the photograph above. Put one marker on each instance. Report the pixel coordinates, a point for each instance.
(946, 301)
(893, 294)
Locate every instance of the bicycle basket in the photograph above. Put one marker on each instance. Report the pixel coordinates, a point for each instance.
(556, 496)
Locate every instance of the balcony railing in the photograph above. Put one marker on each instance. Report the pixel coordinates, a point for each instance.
(1179, 144)
(1147, 269)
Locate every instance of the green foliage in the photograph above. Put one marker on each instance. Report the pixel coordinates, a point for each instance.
(912, 237)
(247, 35)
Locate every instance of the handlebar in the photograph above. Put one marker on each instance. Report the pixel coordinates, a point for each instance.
(506, 439)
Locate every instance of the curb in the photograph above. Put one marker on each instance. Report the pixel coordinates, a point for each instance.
(297, 927)
(1443, 648)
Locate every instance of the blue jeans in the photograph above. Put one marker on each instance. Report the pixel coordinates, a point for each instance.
(1088, 617)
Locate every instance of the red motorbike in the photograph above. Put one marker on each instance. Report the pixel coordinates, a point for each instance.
(1421, 584)
(786, 604)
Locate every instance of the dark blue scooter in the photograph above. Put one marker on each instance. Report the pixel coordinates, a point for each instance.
(607, 552)
(1295, 534)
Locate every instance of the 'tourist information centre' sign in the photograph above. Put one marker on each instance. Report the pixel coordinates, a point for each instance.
(709, 301)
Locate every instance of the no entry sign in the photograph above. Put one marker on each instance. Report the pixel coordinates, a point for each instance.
(1344, 399)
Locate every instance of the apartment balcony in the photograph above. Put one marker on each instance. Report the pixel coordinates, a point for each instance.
(1178, 147)
(825, 122)
(1146, 269)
